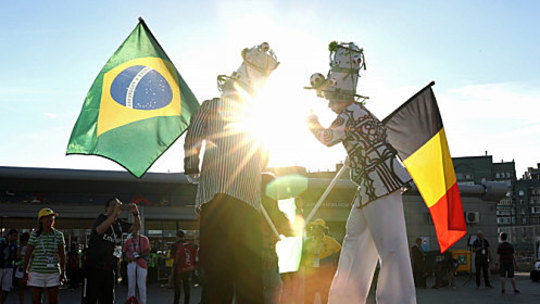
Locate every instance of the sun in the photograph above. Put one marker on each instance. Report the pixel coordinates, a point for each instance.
(278, 121)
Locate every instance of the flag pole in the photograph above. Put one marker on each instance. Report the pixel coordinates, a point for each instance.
(327, 191)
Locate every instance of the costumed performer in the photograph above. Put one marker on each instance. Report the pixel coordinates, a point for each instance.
(229, 192)
(375, 230)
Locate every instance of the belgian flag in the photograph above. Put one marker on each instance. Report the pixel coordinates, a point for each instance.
(137, 106)
(416, 131)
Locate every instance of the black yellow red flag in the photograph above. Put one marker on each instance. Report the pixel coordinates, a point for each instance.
(416, 131)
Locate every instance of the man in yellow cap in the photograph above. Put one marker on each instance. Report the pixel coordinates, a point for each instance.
(319, 260)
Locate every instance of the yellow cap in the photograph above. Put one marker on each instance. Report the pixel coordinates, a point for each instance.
(46, 212)
(318, 222)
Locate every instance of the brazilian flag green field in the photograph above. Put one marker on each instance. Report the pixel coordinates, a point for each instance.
(136, 108)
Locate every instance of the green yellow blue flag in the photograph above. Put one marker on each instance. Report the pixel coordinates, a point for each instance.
(136, 108)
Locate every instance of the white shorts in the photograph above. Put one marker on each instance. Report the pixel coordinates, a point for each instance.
(6, 278)
(36, 279)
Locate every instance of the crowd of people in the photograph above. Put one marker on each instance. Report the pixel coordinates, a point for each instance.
(42, 261)
(446, 265)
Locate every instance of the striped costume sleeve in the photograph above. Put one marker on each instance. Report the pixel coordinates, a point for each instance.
(331, 136)
(195, 135)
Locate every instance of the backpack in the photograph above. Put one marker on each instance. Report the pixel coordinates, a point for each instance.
(185, 257)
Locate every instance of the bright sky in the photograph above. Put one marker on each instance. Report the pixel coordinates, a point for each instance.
(482, 55)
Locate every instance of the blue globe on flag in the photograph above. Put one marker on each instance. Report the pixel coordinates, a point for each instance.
(141, 88)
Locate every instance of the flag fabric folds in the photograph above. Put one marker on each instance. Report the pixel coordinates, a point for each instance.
(416, 131)
(137, 106)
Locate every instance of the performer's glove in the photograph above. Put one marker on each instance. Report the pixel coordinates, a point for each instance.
(312, 117)
(193, 178)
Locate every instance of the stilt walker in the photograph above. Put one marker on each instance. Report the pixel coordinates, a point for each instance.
(229, 192)
(375, 230)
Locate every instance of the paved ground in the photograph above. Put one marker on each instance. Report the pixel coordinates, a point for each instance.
(465, 292)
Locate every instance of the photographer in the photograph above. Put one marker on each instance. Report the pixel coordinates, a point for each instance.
(104, 250)
(136, 252)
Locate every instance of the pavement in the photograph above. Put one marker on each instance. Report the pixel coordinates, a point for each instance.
(464, 292)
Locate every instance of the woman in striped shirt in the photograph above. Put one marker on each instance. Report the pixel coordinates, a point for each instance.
(46, 247)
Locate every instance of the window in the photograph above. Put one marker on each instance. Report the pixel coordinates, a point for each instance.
(521, 193)
(497, 175)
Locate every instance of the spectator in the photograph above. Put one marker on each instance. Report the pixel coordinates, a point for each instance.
(321, 253)
(444, 271)
(73, 266)
(507, 262)
(451, 267)
(46, 248)
(136, 251)
(104, 250)
(482, 258)
(152, 266)
(183, 267)
(8, 258)
(19, 274)
(418, 264)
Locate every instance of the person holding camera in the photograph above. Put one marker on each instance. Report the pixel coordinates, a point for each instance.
(136, 252)
(104, 250)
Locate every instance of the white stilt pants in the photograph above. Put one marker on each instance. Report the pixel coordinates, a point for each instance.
(376, 232)
(136, 275)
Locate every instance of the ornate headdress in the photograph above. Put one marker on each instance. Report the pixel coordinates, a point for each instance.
(258, 62)
(346, 60)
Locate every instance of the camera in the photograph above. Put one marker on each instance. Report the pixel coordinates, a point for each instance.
(125, 207)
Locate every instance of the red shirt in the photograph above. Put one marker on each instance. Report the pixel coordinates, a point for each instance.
(185, 257)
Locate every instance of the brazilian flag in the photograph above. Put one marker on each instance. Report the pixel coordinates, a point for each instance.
(136, 108)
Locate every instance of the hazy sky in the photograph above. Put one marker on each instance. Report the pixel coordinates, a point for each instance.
(482, 55)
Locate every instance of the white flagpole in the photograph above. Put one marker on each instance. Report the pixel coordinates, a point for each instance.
(327, 191)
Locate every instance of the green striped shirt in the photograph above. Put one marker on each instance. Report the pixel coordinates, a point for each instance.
(40, 257)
